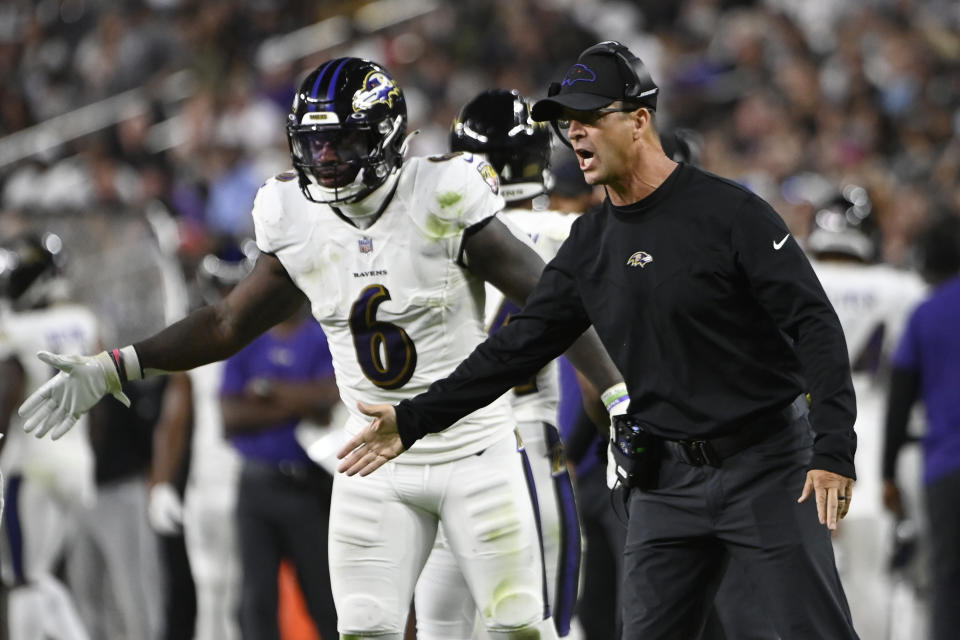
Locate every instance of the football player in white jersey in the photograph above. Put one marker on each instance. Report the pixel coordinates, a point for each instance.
(46, 481)
(392, 254)
(496, 125)
(207, 512)
(872, 301)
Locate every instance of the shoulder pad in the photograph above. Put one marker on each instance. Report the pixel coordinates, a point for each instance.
(451, 194)
(455, 161)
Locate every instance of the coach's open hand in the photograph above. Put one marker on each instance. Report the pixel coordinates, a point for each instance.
(834, 494)
(375, 445)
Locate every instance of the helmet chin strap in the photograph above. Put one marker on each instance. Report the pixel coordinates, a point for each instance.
(365, 212)
(330, 195)
(369, 208)
(406, 142)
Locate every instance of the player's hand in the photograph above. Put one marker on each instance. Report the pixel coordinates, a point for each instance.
(165, 509)
(892, 499)
(834, 494)
(60, 402)
(378, 443)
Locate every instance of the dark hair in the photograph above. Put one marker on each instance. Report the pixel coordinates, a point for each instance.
(939, 249)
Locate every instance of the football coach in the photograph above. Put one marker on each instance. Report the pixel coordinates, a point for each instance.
(738, 406)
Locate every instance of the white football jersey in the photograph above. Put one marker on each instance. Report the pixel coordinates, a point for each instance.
(67, 330)
(539, 399)
(398, 310)
(873, 303)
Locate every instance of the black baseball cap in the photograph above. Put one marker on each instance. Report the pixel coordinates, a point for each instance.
(604, 73)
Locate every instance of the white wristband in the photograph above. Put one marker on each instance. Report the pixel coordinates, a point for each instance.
(133, 368)
(132, 363)
(127, 363)
(616, 399)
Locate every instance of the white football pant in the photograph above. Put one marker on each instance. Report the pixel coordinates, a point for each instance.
(210, 534)
(445, 610)
(383, 526)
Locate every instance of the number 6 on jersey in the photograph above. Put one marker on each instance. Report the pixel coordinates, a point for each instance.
(385, 352)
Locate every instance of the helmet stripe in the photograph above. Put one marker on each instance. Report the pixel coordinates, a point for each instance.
(316, 85)
(333, 81)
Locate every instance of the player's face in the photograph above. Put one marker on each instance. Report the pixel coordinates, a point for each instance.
(602, 140)
(334, 154)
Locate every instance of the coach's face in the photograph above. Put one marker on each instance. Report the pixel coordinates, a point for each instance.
(604, 141)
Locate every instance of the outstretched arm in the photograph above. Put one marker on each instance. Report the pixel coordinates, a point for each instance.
(215, 332)
(262, 299)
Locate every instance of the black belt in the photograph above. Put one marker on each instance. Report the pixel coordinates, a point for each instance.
(712, 451)
(299, 471)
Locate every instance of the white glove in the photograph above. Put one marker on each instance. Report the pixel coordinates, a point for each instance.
(165, 509)
(612, 478)
(60, 402)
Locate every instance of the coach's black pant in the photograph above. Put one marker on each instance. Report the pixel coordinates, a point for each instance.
(943, 509)
(283, 513)
(680, 536)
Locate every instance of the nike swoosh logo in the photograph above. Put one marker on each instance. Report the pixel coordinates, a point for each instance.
(778, 245)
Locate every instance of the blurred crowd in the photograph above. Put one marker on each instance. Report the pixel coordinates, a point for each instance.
(862, 92)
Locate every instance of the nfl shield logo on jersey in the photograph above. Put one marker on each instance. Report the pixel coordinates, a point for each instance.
(366, 244)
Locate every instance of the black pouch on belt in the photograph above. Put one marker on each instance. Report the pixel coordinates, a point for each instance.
(637, 454)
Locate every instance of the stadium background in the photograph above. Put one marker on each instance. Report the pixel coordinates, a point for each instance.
(140, 131)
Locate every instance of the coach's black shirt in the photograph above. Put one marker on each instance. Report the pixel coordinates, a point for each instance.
(705, 302)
